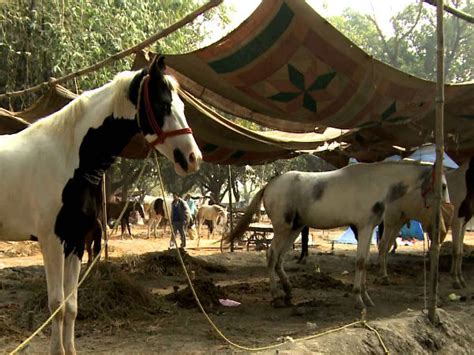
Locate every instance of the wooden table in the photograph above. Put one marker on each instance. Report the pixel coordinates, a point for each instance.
(260, 235)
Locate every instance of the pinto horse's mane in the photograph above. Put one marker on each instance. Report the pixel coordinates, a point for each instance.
(67, 117)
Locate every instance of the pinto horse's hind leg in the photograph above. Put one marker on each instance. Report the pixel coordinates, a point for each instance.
(53, 257)
(71, 278)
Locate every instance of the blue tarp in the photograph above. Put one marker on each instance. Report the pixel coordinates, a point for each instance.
(413, 231)
(348, 237)
(427, 154)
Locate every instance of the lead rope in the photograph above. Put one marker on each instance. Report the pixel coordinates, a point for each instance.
(84, 276)
(216, 328)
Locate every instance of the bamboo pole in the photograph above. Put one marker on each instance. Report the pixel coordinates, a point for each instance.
(184, 21)
(434, 250)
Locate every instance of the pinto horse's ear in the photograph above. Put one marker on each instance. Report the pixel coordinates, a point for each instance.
(157, 67)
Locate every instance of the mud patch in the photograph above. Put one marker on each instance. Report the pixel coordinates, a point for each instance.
(208, 294)
(317, 280)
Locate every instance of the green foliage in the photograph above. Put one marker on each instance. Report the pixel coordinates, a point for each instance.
(52, 38)
(412, 47)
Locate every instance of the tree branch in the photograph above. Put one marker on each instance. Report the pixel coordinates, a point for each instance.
(184, 21)
(455, 12)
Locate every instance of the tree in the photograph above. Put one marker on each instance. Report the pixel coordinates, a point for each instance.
(49, 38)
(412, 47)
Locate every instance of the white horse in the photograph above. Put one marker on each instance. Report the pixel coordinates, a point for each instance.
(356, 195)
(53, 170)
(215, 214)
(461, 193)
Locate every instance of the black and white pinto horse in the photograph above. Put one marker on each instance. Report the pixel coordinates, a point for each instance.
(156, 213)
(297, 199)
(461, 193)
(53, 169)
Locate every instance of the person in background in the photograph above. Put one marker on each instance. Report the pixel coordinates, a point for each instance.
(192, 208)
(180, 216)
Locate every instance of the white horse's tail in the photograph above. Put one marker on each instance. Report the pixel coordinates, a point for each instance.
(245, 220)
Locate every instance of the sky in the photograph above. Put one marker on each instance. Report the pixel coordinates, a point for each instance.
(383, 9)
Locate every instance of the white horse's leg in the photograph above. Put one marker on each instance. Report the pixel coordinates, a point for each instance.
(458, 230)
(365, 295)
(388, 238)
(199, 221)
(150, 222)
(285, 281)
(72, 268)
(53, 257)
(363, 247)
(274, 252)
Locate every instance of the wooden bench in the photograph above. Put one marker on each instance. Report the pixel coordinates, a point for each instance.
(260, 235)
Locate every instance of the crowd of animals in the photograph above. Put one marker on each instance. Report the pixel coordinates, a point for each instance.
(62, 158)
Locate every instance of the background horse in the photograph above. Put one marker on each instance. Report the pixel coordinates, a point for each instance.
(54, 167)
(157, 213)
(461, 193)
(115, 208)
(215, 214)
(296, 199)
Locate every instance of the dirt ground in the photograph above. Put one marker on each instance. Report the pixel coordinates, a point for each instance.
(138, 301)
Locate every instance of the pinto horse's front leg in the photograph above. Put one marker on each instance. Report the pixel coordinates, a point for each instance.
(53, 257)
(71, 278)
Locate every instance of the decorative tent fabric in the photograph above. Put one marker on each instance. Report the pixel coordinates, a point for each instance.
(221, 140)
(287, 68)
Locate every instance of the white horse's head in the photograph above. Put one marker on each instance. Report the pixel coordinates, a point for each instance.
(162, 120)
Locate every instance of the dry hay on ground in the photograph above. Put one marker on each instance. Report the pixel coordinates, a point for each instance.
(167, 263)
(208, 294)
(17, 249)
(107, 294)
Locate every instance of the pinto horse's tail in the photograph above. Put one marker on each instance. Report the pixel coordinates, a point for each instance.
(245, 220)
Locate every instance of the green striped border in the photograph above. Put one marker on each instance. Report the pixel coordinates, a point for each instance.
(257, 46)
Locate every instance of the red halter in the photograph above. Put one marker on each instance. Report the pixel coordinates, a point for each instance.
(161, 135)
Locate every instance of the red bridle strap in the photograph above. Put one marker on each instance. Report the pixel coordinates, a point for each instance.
(161, 135)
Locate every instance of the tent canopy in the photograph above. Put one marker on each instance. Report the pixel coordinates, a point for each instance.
(288, 69)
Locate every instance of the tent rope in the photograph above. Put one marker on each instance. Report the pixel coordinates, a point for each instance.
(150, 40)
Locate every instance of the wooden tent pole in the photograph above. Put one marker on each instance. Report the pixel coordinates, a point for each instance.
(434, 250)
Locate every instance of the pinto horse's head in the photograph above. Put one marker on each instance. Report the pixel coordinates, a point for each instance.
(162, 120)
